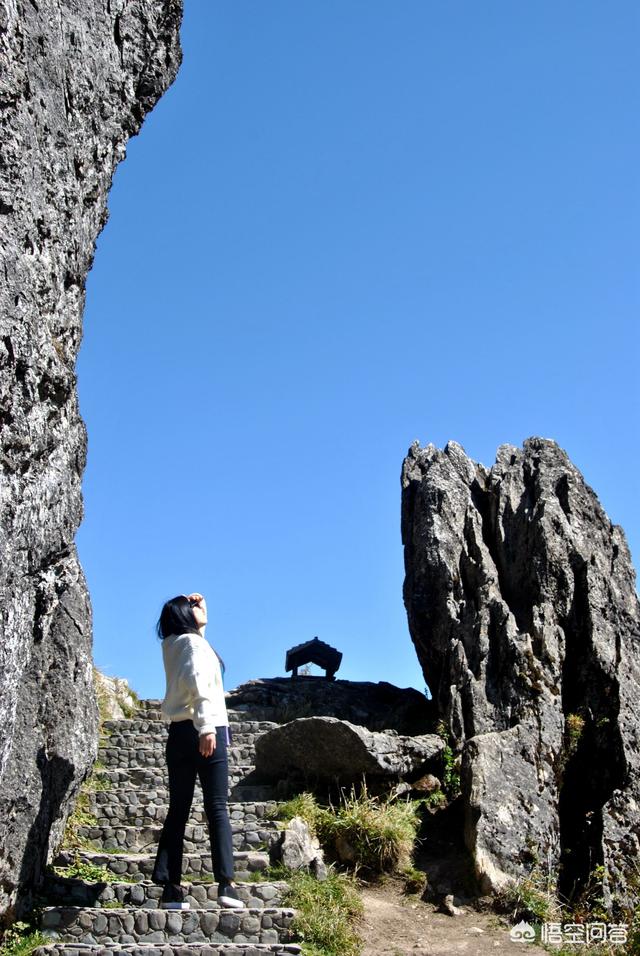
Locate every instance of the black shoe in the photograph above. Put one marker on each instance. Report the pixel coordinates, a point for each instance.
(173, 897)
(228, 896)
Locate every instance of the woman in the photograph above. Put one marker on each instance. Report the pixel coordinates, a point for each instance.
(197, 746)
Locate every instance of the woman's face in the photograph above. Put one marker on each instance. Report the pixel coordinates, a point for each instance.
(199, 608)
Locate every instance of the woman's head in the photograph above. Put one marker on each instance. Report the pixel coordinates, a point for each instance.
(177, 617)
(185, 614)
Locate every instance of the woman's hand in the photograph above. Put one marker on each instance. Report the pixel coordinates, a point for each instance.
(199, 607)
(207, 744)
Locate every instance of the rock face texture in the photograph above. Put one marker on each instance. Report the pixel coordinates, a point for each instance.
(328, 747)
(76, 80)
(377, 706)
(296, 849)
(522, 606)
(116, 700)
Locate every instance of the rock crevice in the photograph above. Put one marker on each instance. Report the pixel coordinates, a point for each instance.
(521, 602)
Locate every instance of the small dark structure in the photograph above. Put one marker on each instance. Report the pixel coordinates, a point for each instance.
(313, 652)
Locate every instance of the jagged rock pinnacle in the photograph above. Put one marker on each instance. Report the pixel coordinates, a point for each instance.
(522, 606)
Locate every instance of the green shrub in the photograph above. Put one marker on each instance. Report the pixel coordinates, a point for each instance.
(415, 881)
(633, 936)
(327, 912)
(20, 939)
(80, 816)
(590, 904)
(531, 898)
(451, 775)
(631, 915)
(435, 799)
(274, 871)
(89, 873)
(97, 781)
(103, 703)
(306, 806)
(381, 832)
(371, 832)
(574, 727)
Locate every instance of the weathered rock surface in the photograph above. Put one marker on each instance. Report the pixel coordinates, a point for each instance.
(297, 849)
(326, 747)
(116, 700)
(76, 80)
(521, 601)
(377, 706)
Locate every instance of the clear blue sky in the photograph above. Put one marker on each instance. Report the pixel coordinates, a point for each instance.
(349, 225)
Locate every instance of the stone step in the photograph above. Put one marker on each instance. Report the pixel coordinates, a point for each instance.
(150, 710)
(137, 808)
(127, 838)
(170, 949)
(134, 925)
(154, 756)
(154, 777)
(139, 866)
(157, 736)
(247, 792)
(241, 792)
(72, 891)
(134, 832)
(142, 725)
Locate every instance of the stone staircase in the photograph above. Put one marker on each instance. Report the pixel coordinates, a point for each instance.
(123, 915)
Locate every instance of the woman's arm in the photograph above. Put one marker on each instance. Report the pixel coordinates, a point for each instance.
(202, 683)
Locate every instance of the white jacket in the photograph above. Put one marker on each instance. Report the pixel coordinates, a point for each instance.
(194, 683)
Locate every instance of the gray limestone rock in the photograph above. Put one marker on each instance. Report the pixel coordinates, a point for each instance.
(522, 606)
(297, 849)
(115, 696)
(328, 747)
(377, 706)
(76, 80)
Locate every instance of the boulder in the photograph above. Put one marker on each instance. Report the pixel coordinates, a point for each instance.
(326, 747)
(298, 849)
(429, 783)
(522, 607)
(76, 80)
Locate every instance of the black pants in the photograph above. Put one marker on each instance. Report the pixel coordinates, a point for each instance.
(185, 762)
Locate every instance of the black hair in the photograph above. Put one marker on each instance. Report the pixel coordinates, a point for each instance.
(177, 617)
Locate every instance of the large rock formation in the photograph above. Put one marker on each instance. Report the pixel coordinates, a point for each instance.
(328, 747)
(377, 706)
(521, 601)
(76, 80)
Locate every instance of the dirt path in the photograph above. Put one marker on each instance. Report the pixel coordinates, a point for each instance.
(397, 925)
